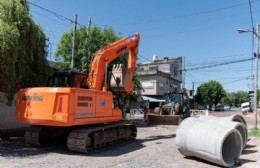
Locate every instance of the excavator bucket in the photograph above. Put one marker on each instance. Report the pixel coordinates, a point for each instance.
(117, 83)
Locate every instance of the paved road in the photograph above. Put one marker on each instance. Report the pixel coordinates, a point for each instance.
(155, 147)
(248, 117)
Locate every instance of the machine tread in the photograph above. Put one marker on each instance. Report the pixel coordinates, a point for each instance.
(86, 140)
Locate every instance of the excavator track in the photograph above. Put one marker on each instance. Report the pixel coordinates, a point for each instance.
(32, 135)
(43, 135)
(86, 140)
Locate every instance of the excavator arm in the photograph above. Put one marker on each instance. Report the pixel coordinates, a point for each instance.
(109, 53)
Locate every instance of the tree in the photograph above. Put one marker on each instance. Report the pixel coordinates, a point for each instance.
(86, 46)
(210, 93)
(23, 60)
(241, 97)
(229, 99)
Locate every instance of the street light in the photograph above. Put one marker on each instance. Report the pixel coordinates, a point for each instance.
(257, 34)
(244, 31)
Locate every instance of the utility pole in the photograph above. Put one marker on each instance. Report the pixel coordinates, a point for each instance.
(193, 91)
(183, 72)
(257, 33)
(74, 42)
(88, 45)
(89, 26)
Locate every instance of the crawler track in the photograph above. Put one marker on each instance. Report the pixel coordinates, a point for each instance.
(43, 135)
(82, 139)
(86, 140)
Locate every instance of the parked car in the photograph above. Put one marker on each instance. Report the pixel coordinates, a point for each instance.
(226, 107)
(219, 107)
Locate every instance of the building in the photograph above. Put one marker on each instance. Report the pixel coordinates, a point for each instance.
(160, 76)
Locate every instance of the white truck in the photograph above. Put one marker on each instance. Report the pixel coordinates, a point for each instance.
(246, 107)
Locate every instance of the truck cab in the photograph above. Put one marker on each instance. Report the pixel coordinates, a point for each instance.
(246, 107)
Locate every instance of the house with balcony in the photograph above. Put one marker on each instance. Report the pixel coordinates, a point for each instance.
(160, 77)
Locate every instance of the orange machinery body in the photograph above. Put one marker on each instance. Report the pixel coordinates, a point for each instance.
(74, 106)
(61, 106)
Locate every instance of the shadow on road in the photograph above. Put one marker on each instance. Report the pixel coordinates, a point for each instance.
(243, 161)
(202, 161)
(17, 148)
(250, 146)
(246, 152)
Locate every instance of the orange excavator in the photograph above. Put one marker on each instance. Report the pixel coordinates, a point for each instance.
(81, 107)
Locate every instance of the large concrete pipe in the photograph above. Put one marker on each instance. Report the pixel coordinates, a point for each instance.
(237, 118)
(216, 143)
(241, 127)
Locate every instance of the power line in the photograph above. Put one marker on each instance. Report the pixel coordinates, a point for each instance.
(219, 64)
(204, 67)
(219, 70)
(180, 16)
(225, 56)
(45, 16)
(209, 62)
(247, 78)
(59, 16)
(175, 17)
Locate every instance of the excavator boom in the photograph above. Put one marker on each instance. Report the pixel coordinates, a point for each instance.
(110, 53)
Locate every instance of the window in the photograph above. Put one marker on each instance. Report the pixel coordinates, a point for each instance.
(148, 84)
(161, 85)
(175, 71)
(153, 68)
(141, 69)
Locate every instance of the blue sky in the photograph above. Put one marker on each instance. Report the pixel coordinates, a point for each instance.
(203, 31)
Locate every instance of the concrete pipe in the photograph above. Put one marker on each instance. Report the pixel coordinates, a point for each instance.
(215, 143)
(237, 118)
(241, 127)
(237, 123)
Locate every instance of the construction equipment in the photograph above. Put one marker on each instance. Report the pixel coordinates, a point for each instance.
(79, 106)
(175, 109)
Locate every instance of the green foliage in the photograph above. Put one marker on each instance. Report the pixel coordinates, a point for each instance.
(137, 83)
(210, 93)
(86, 46)
(229, 99)
(23, 48)
(254, 132)
(240, 97)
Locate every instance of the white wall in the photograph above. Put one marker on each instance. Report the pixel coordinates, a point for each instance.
(7, 115)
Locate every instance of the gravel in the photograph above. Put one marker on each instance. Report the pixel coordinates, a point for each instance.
(154, 147)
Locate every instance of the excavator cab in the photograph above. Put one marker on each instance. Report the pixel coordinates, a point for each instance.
(67, 79)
